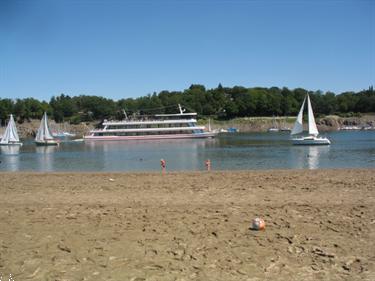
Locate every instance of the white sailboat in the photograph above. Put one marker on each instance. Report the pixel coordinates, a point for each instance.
(312, 138)
(44, 136)
(284, 127)
(274, 127)
(10, 136)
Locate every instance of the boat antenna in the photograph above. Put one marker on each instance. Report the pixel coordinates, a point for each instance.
(126, 116)
(181, 110)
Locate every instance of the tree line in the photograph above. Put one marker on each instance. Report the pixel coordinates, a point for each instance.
(220, 103)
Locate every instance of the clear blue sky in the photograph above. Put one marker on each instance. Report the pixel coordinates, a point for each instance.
(120, 49)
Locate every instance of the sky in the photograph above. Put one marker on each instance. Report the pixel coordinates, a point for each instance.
(122, 49)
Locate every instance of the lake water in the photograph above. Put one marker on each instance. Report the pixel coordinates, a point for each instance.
(238, 151)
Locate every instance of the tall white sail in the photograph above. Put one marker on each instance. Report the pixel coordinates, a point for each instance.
(10, 134)
(313, 130)
(298, 125)
(43, 131)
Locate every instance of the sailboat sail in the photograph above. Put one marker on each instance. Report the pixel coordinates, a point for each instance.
(313, 130)
(298, 125)
(43, 131)
(10, 134)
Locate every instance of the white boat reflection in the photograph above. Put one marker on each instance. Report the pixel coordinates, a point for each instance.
(45, 157)
(310, 157)
(10, 149)
(314, 156)
(146, 155)
(45, 149)
(11, 161)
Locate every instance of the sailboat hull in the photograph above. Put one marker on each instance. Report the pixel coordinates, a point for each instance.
(47, 142)
(311, 140)
(273, 130)
(11, 144)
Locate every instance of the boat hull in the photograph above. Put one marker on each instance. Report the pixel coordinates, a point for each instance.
(46, 143)
(273, 130)
(149, 137)
(11, 144)
(311, 141)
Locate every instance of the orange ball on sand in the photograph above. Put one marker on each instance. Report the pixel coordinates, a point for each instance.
(258, 224)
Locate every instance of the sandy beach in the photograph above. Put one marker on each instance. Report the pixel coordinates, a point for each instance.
(320, 225)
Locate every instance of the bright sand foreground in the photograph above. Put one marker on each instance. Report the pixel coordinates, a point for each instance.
(188, 226)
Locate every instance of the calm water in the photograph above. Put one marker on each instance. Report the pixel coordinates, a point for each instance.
(226, 152)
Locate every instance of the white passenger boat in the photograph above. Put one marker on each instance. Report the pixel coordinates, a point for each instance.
(157, 127)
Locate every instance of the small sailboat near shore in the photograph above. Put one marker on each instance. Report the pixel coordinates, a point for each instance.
(275, 127)
(312, 138)
(10, 136)
(44, 136)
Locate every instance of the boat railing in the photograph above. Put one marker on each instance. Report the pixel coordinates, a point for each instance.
(151, 121)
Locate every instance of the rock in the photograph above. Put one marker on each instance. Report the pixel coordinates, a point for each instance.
(71, 217)
(153, 267)
(63, 247)
(178, 254)
(33, 274)
(242, 272)
(137, 279)
(345, 267)
(320, 252)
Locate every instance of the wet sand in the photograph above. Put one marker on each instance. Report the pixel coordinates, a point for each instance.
(320, 225)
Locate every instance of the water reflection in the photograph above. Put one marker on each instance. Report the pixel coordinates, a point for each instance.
(10, 149)
(45, 157)
(11, 159)
(226, 152)
(146, 155)
(309, 157)
(314, 155)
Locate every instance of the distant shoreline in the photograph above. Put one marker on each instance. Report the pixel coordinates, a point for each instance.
(262, 124)
(245, 124)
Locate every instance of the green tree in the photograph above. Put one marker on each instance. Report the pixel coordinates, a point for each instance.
(6, 108)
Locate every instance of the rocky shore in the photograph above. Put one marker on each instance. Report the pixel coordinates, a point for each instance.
(29, 128)
(262, 124)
